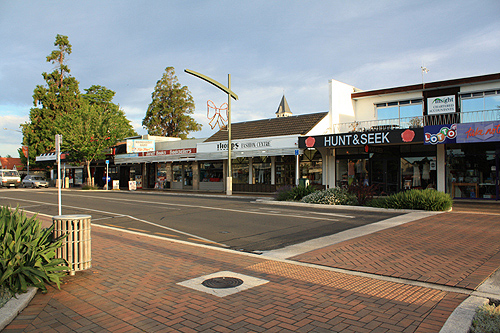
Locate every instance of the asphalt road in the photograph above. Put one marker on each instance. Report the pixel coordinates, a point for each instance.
(237, 223)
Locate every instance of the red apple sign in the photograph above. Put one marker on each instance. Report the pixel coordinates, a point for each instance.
(310, 141)
(408, 135)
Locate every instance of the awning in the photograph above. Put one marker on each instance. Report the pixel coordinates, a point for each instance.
(49, 157)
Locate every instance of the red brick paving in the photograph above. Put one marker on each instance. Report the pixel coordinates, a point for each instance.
(132, 287)
(453, 249)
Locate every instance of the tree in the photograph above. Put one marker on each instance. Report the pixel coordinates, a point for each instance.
(60, 97)
(95, 126)
(170, 109)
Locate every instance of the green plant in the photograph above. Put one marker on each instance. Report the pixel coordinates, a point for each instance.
(289, 193)
(428, 199)
(332, 196)
(363, 193)
(89, 187)
(486, 319)
(27, 253)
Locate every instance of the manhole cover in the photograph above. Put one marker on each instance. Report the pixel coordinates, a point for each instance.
(222, 282)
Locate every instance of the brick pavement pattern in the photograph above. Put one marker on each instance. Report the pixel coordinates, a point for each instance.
(132, 287)
(452, 249)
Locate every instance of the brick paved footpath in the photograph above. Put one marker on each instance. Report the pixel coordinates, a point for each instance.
(132, 287)
(452, 249)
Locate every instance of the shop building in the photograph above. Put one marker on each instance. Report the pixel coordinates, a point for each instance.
(443, 135)
(265, 153)
(265, 156)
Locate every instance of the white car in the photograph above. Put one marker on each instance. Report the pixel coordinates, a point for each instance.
(9, 178)
(35, 181)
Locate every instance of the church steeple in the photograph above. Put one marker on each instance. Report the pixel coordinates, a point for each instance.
(283, 108)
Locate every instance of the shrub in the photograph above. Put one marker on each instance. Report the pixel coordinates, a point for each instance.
(290, 193)
(363, 193)
(486, 319)
(428, 199)
(89, 187)
(332, 196)
(27, 253)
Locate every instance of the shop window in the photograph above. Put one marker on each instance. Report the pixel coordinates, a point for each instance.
(418, 173)
(261, 170)
(240, 169)
(311, 166)
(352, 172)
(176, 173)
(471, 171)
(211, 172)
(161, 176)
(285, 170)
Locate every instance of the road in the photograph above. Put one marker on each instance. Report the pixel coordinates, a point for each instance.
(232, 222)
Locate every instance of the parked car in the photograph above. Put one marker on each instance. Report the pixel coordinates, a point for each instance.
(9, 178)
(35, 181)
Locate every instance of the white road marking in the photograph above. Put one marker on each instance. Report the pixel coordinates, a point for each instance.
(207, 207)
(118, 215)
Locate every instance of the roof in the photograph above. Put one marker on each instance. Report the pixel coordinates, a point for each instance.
(9, 162)
(293, 125)
(429, 86)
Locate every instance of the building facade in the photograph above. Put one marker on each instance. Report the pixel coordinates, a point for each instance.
(443, 135)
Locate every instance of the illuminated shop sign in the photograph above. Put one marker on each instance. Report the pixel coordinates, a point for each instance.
(363, 138)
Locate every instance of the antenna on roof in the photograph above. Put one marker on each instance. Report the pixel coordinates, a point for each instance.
(424, 70)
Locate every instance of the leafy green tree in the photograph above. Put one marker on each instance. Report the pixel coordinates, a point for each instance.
(59, 97)
(94, 127)
(170, 109)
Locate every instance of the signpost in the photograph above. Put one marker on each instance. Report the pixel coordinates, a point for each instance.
(58, 156)
(107, 174)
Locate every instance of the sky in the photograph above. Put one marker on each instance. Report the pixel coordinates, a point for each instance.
(270, 48)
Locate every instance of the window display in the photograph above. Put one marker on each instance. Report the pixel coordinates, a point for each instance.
(471, 171)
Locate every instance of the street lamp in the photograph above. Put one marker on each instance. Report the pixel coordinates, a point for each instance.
(27, 153)
(227, 90)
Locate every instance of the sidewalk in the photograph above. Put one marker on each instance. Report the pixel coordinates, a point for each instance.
(133, 285)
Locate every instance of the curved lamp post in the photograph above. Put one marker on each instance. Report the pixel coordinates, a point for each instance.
(230, 94)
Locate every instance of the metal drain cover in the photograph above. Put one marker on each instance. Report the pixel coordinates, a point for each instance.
(222, 282)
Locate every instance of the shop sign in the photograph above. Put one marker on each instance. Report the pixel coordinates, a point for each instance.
(437, 134)
(488, 131)
(442, 104)
(137, 146)
(169, 152)
(249, 144)
(362, 138)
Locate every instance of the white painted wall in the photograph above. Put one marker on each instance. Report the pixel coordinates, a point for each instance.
(341, 104)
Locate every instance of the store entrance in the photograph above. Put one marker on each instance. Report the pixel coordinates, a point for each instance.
(385, 174)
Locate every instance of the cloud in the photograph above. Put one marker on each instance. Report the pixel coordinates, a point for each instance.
(10, 139)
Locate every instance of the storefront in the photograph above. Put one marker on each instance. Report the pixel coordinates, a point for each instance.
(391, 160)
(258, 165)
(160, 169)
(472, 157)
